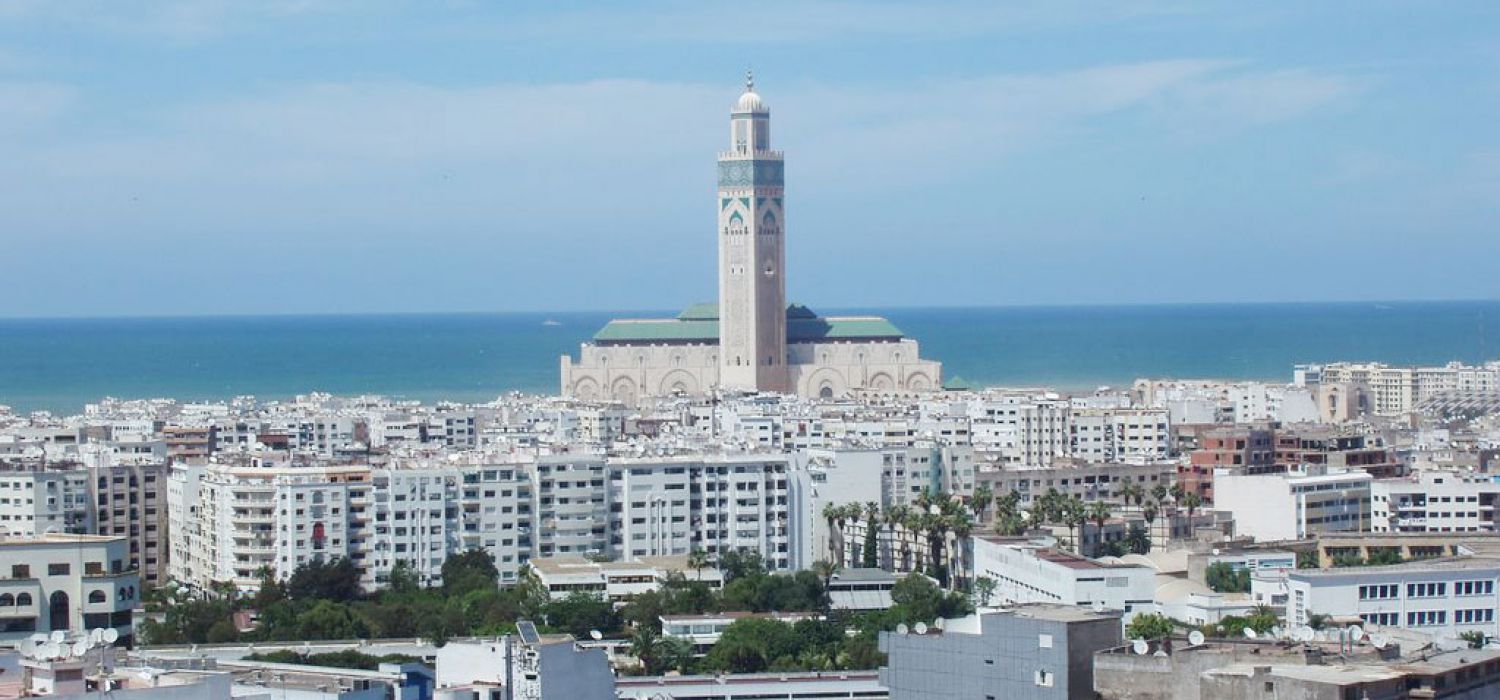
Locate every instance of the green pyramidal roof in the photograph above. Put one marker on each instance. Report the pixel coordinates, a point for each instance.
(699, 323)
(958, 383)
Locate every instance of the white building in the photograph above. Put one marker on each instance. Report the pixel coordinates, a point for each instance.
(72, 583)
(1441, 597)
(1121, 435)
(616, 581)
(1024, 572)
(1434, 501)
(1271, 507)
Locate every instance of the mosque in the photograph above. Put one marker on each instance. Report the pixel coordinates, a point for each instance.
(751, 339)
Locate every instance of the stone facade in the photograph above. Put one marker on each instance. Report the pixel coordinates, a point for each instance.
(751, 339)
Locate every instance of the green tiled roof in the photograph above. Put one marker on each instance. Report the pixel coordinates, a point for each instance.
(958, 383)
(701, 311)
(691, 327)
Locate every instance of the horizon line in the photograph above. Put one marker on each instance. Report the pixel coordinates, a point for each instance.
(836, 308)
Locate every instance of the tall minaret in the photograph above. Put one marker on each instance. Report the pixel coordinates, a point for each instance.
(752, 252)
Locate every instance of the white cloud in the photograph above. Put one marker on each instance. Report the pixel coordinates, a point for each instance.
(382, 156)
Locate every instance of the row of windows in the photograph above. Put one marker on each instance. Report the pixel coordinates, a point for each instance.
(1477, 615)
(1379, 591)
(1473, 588)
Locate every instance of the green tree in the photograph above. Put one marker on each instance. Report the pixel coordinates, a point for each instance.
(580, 613)
(1223, 577)
(984, 590)
(469, 571)
(870, 557)
(1149, 626)
(750, 645)
(648, 646)
(324, 580)
(327, 619)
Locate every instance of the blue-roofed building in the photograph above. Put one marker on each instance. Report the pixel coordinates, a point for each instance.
(751, 339)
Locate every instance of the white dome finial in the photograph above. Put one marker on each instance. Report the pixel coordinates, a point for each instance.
(749, 101)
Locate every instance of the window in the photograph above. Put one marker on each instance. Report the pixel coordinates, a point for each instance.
(97, 597)
(59, 569)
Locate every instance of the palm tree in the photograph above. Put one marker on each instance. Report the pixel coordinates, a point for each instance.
(647, 645)
(870, 553)
(1132, 493)
(698, 561)
(1074, 516)
(1098, 511)
(1149, 512)
(825, 570)
(983, 497)
(1191, 501)
(1159, 494)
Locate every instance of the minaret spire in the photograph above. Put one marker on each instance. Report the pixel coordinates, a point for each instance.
(749, 80)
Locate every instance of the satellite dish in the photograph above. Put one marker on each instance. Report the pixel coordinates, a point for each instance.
(110, 635)
(1379, 641)
(96, 635)
(80, 648)
(1140, 647)
(1160, 652)
(1306, 634)
(47, 651)
(940, 623)
(901, 628)
(1356, 633)
(1195, 638)
(920, 628)
(1250, 633)
(596, 635)
(1098, 606)
(39, 638)
(1276, 632)
(28, 647)
(58, 637)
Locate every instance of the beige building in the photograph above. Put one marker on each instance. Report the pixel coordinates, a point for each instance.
(751, 339)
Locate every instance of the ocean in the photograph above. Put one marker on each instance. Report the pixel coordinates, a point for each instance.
(61, 364)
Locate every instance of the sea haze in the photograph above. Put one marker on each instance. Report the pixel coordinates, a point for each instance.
(61, 364)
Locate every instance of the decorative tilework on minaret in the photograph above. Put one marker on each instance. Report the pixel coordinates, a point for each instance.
(752, 252)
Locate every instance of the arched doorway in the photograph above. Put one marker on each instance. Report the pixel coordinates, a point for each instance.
(59, 609)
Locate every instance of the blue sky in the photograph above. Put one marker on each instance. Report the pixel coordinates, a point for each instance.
(308, 157)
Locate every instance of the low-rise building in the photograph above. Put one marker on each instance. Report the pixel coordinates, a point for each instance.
(70, 583)
(1439, 597)
(1025, 572)
(1031, 651)
(616, 581)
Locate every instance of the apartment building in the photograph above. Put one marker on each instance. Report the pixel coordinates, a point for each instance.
(1299, 505)
(1087, 480)
(38, 501)
(1240, 449)
(59, 582)
(1120, 435)
(714, 503)
(1434, 501)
